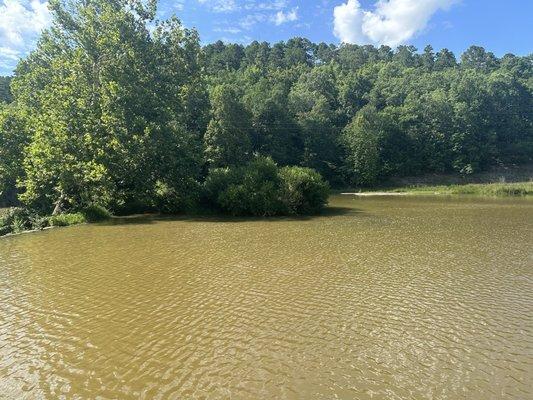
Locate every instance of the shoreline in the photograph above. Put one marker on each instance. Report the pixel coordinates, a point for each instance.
(487, 190)
(515, 189)
(371, 194)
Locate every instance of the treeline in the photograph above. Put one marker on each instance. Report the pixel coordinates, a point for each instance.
(116, 109)
(360, 114)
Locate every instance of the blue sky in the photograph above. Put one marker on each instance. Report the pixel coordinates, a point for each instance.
(500, 26)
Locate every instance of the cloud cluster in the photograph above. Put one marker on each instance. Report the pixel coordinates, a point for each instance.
(282, 17)
(220, 5)
(266, 5)
(249, 5)
(21, 22)
(252, 12)
(392, 22)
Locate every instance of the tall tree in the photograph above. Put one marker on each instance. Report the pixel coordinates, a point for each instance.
(314, 101)
(427, 59)
(14, 137)
(445, 59)
(102, 126)
(477, 57)
(227, 139)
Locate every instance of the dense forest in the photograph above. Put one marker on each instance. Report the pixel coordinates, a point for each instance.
(118, 109)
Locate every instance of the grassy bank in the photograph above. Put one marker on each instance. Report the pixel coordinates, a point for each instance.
(503, 181)
(501, 174)
(480, 189)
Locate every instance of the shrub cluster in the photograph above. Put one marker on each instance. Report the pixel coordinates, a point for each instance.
(261, 188)
(17, 219)
(303, 190)
(95, 213)
(67, 219)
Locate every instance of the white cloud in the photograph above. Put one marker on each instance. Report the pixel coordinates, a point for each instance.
(267, 5)
(392, 22)
(179, 5)
(281, 17)
(232, 30)
(220, 5)
(21, 22)
(250, 20)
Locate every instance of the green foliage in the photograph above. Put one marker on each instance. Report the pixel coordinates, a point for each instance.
(8, 219)
(303, 190)
(95, 213)
(491, 189)
(5, 230)
(262, 189)
(429, 112)
(39, 222)
(13, 139)
(116, 108)
(110, 107)
(314, 101)
(274, 132)
(5, 90)
(477, 57)
(227, 139)
(67, 219)
(17, 219)
(252, 189)
(168, 200)
(376, 146)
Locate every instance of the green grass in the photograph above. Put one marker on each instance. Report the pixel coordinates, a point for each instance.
(95, 213)
(67, 219)
(520, 189)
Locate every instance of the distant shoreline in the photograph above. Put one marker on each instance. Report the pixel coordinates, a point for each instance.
(516, 189)
(502, 181)
(369, 194)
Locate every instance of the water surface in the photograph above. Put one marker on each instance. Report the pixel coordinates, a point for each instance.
(381, 298)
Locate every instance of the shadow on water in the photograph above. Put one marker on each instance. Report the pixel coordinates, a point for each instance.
(147, 219)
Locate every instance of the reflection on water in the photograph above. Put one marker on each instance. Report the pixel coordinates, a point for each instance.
(396, 298)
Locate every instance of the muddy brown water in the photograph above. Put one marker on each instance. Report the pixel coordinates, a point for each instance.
(380, 298)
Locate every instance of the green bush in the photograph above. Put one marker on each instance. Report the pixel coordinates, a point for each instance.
(39, 222)
(7, 216)
(67, 219)
(256, 191)
(249, 190)
(132, 206)
(5, 230)
(170, 200)
(260, 188)
(217, 181)
(16, 220)
(95, 213)
(6, 221)
(303, 190)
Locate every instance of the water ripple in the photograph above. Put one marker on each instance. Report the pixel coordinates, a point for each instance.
(400, 298)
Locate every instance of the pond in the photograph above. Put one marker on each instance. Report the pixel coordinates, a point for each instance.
(381, 297)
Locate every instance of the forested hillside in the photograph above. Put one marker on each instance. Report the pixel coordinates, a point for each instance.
(359, 114)
(110, 110)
